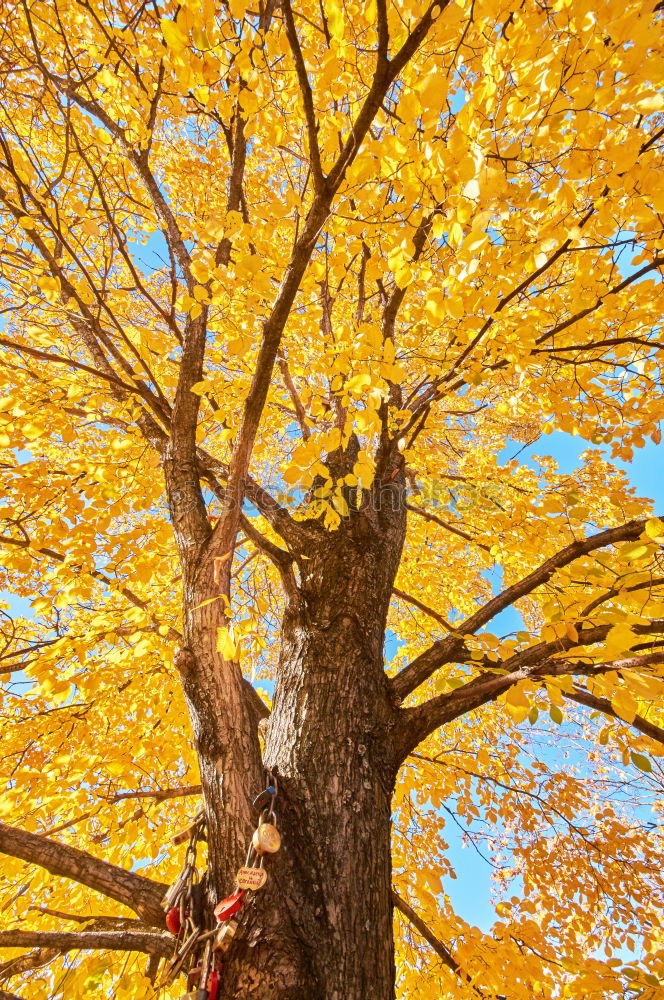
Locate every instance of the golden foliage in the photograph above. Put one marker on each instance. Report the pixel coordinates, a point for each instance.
(510, 187)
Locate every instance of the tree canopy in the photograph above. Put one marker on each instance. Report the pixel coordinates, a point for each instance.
(258, 262)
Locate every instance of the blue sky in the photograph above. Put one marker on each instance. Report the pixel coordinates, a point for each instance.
(645, 471)
(471, 891)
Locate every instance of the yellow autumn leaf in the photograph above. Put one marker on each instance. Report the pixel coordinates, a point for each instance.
(633, 551)
(358, 384)
(174, 36)
(516, 697)
(619, 640)
(624, 705)
(226, 644)
(655, 529)
(339, 502)
(335, 18)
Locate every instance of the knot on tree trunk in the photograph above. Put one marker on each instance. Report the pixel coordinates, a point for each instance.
(184, 661)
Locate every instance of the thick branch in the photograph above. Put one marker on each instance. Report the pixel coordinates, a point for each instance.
(307, 96)
(382, 30)
(583, 697)
(43, 955)
(159, 795)
(417, 723)
(163, 209)
(223, 539)
(137, 892)
(234, 200)
(152, 944)
(386, 73)
(26, 963)
(445, 650)
(388, 327)
(187, 506)
(589, 636)
(441, 950)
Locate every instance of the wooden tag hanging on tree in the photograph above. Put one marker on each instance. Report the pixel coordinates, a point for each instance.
(251, 878)
(266, 839)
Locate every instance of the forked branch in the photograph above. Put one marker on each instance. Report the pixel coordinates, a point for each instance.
(223, 538)
(445, 650)
(415, 724)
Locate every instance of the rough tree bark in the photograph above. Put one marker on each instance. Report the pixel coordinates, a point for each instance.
(322, 929)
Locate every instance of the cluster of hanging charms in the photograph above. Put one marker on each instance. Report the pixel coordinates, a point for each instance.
(202, 938)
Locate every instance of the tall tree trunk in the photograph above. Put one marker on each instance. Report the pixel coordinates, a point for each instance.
(225, 731)
(322, 927)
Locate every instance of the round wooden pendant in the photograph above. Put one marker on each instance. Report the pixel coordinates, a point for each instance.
(251, 878)
(266, 839)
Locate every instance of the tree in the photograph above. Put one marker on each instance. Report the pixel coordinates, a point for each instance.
(279, 285)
